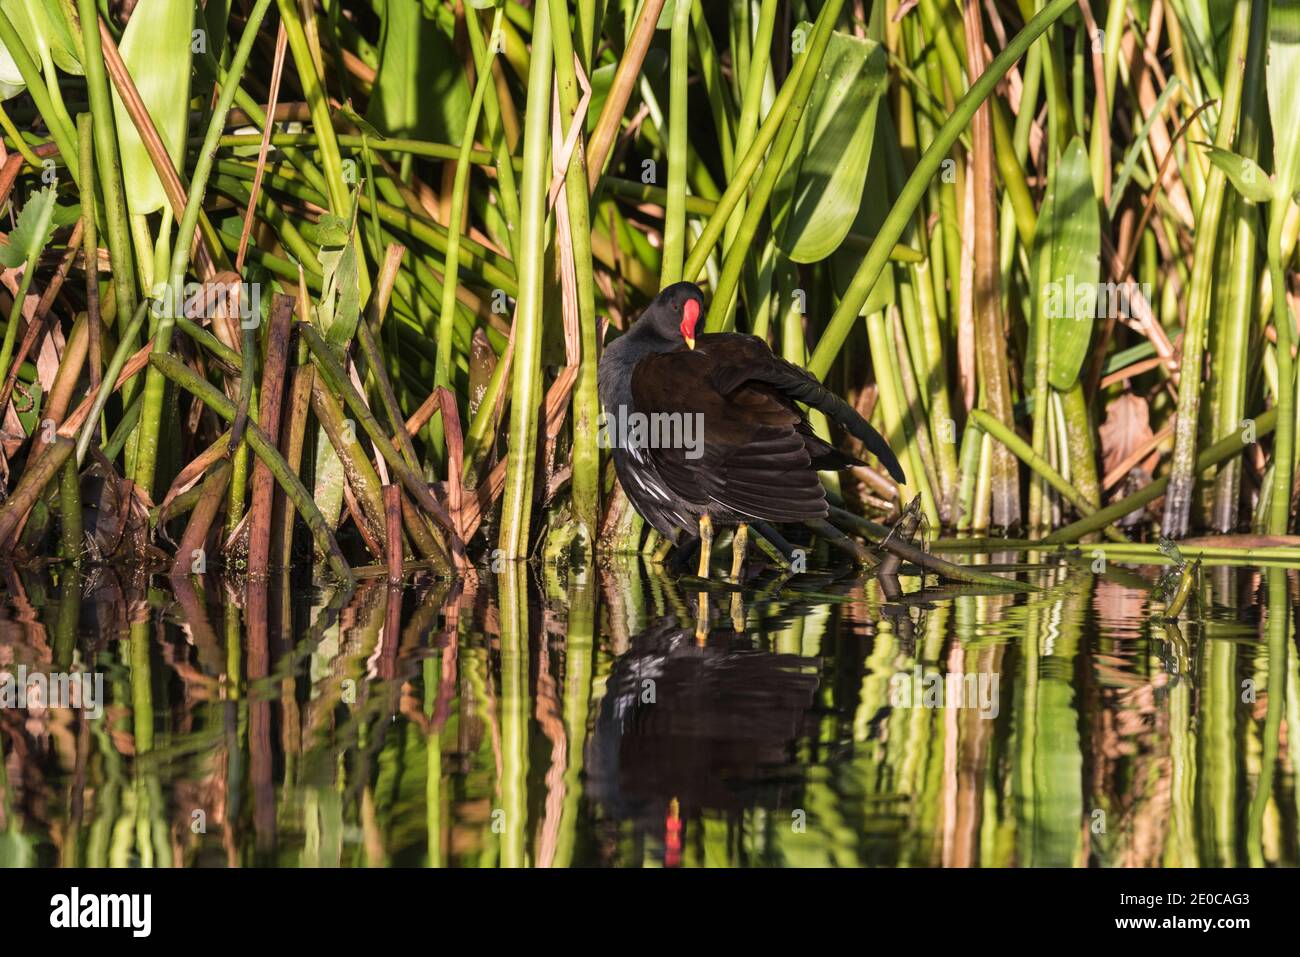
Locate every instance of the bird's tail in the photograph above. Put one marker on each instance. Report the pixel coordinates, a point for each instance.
(802, 387)
(826, 457)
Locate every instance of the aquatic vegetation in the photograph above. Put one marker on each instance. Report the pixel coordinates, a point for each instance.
(1038, 251)
(311, 294)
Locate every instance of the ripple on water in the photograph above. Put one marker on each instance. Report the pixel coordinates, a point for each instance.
(558, 719)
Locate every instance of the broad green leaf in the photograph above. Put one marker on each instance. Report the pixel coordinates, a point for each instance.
(332, 232)
(53, 23)
(66, 215)
(11, 81)
(35, 226)
(1246, 176)
(872, 209)
(1284, 93)
(46, 37)
(420, 90)
(31, 419)
(1066, 244)
(602, 78)
(156, 49)
(215, 19)
(819, 192)
(45, 32)
(340, 301)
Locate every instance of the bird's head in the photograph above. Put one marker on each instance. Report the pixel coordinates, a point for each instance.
(676, 312)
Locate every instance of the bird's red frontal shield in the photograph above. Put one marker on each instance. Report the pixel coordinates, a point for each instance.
(690, 316)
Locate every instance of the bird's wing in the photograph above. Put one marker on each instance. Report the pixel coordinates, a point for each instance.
(739, 361)
(643, 486)
(743, 451)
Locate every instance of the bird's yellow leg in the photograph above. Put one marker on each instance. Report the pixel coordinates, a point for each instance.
(706, 544)
(738, 544)
(706, 553)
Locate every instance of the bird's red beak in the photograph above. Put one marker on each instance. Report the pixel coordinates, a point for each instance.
(690, 316)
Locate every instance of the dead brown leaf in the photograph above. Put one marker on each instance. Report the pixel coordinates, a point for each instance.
(1127, 428)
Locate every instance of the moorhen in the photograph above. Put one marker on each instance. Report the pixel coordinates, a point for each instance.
(706, 429)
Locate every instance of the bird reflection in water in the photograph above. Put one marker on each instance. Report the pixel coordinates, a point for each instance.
(688, 728)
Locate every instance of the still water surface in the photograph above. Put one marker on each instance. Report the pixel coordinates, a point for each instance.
(549, 717)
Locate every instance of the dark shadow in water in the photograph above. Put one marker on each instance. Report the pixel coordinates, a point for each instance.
(709, 727)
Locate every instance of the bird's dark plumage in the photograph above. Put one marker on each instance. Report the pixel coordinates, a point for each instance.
(744, 449)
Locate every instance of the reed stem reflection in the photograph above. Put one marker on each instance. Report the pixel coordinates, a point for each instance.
(553, 716)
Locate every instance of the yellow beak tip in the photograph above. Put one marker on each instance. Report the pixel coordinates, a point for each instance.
(690, 343)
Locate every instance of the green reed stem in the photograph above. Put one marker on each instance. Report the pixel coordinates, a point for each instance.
(490, 267)
(1220, 451)
(507, 190)
(1279, 644)
(70, 510)
(20, 143)
(1183, 474)
(1234, 333)
(743, 176)
(675, 214)
(586, 400)
(1041, 467)
(151, 415)
(1279, 512)
(740, 250)
(108, 160)
(336, 378)
(632, 189)
(460, 186)
(106, 384)
(930, 563)
(892, 229)
(317, 100)
(526, 392)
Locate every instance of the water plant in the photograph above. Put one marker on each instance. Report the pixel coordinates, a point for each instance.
(297, 279)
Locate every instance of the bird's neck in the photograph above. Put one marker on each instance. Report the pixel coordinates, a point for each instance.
(620, 358)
